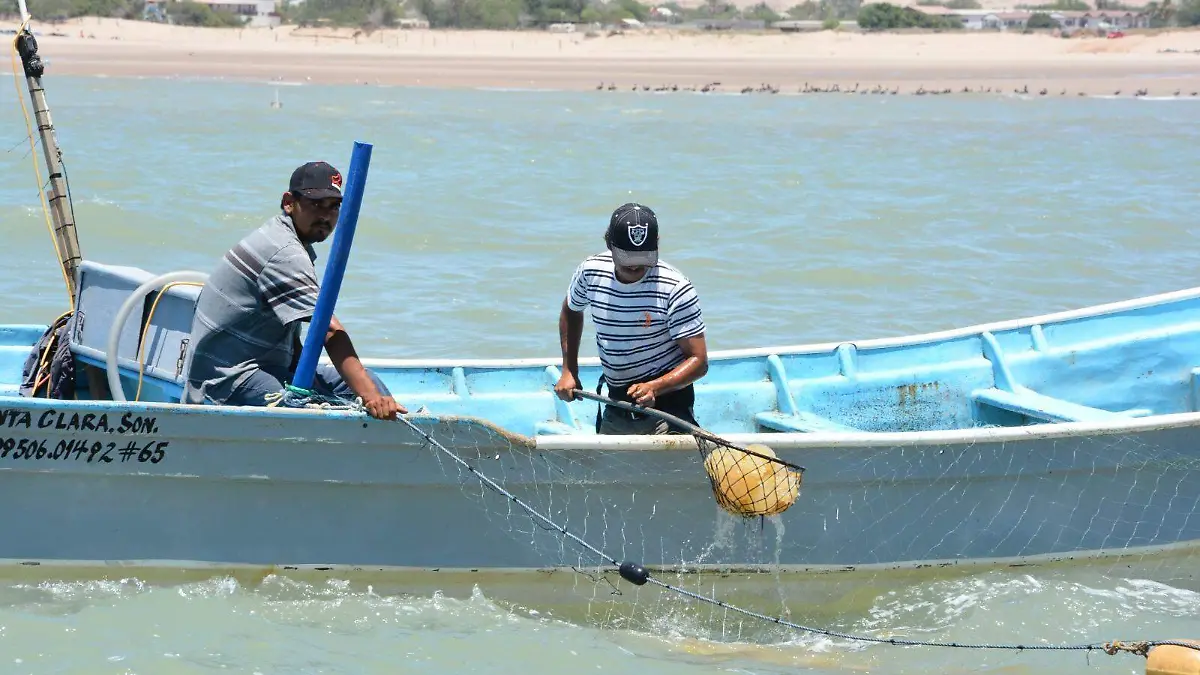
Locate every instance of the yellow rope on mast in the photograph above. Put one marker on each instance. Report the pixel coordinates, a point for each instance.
(37, 171)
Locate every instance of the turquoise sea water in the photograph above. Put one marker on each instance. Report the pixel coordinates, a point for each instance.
(799, 219)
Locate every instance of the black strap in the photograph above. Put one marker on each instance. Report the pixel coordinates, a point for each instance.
(599, 408)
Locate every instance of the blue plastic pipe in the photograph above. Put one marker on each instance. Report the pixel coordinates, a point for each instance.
(335, 269)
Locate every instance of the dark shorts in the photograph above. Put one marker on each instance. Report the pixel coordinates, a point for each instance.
(326, 381)
(618, 421)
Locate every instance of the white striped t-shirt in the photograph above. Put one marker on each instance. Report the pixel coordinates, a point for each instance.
(636, 324)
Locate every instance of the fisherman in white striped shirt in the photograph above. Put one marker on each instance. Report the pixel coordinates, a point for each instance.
(649, 329)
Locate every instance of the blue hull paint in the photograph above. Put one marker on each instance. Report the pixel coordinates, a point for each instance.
(1058, 435)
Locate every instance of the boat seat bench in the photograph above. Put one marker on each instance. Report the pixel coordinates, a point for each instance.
(802, 422)
(1042, 407)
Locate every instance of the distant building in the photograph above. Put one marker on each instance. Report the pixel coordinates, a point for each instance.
(990, 19)
(259, 13)
(153, 12)
(1007, 20)
(1102, 18)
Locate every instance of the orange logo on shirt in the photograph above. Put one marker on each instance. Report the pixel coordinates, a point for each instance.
(648, 320)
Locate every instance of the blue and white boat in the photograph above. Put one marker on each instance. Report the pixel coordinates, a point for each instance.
(1069, 435)
(1072, 434)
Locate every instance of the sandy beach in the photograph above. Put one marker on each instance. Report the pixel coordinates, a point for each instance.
(1151, 64)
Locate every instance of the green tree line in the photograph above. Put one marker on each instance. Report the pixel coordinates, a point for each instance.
(183, 12)
(886, 16)
(363, 13)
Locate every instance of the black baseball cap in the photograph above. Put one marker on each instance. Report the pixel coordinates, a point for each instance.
(633, 236)
(316, 180)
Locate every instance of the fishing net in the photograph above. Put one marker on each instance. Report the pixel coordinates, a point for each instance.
(902, 540)
(746, 481)
(724, 521)
(49, 370)
(749, 484)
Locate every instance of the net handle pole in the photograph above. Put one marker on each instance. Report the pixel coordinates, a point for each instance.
(335, 269)
(682, 424)
(24, 10)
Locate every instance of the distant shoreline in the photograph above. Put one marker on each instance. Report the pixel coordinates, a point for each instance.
(643, 59)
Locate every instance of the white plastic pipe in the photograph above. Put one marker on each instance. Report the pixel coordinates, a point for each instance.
(114, 333)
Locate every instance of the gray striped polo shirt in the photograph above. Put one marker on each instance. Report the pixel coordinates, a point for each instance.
(250, 311)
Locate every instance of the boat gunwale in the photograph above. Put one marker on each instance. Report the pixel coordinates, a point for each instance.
(264, 412)
(776, 440)
(885, 439)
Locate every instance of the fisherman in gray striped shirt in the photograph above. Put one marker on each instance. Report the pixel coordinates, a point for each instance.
(246, 331)
(649, 329)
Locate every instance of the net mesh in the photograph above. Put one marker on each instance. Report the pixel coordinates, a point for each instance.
(867, 522)
(859, 550)
(749, 484)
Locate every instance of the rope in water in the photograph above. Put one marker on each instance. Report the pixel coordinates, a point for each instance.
(638, 575)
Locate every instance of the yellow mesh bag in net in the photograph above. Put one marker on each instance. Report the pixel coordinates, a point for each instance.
(747, 485)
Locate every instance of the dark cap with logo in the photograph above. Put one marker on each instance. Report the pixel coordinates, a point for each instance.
(633, 236)
(316, 180)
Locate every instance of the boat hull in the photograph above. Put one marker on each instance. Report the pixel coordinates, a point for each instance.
(278, 487)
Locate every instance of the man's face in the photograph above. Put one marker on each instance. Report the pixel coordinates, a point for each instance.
(314, 219)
